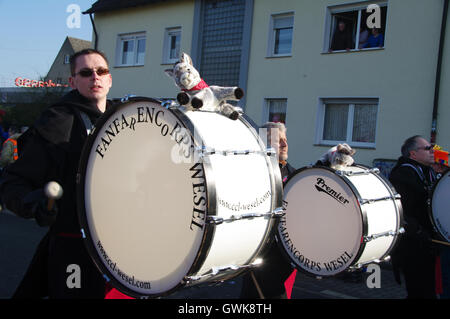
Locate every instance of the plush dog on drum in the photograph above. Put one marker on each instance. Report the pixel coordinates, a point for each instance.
(338, 156)
(197, 94)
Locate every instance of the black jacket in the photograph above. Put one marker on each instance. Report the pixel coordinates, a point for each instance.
(414, 182)
(50, 151)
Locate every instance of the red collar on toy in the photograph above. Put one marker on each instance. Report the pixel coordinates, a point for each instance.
(201, 85)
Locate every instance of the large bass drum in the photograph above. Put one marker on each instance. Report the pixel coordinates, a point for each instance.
(440, 206)
(338, 220)
(169, 198)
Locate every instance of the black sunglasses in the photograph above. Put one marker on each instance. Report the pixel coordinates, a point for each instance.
(88, 72)
(426, 148)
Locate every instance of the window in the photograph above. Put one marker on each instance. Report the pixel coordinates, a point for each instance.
(67, 59)
(172, 40)
(352, 121)
(275, 110)
(281, 35)
(131, 49)
(356, 27)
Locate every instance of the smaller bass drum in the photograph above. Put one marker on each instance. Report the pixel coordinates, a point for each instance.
(440, 206)
(338, 220)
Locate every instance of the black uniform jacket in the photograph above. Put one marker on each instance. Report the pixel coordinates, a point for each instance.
(50, 151)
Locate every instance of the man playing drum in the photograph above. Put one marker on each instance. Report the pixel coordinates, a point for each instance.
(61, 266)
(415, 255)
(269, 278)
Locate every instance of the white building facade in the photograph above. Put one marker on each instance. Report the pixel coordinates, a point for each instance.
(283, 54)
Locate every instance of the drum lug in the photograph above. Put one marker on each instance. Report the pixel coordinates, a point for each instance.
(168, 104)
(214, 220)
(126, 98)
(270, 151)
(278, 212)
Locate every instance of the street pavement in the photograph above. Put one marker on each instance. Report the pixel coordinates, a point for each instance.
(20, 237)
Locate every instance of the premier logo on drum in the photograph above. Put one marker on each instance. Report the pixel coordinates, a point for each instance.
(321, 186)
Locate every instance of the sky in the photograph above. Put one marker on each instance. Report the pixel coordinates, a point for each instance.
(32, 33)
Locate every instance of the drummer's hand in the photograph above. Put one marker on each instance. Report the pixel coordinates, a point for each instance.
(34, 204)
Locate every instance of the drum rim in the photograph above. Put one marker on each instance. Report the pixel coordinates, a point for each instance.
(431, 211)
(399, 206)
(364, 222)
(208, 232)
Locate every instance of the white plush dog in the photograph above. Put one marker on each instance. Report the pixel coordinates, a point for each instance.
(338, 156)
(197, 94)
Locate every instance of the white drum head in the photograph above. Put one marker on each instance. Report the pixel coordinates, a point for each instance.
(322, 230)
(441, 206)
(142, 217)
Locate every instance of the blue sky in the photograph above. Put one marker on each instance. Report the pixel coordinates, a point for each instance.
(31, 34)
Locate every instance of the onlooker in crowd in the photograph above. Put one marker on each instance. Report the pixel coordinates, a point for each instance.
(375, 40)
(363, 36)
(342, 38)
(9, 152)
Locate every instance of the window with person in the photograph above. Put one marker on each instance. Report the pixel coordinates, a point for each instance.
(356, 27)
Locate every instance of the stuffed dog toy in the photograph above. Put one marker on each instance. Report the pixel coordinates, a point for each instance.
(337, 156)
(197, 94)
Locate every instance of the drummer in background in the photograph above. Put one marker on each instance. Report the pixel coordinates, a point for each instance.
(415, 254)
(268, 280)
(61, 266)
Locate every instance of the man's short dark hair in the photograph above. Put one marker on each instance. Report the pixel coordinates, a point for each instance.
(410, 145)
(74, 57)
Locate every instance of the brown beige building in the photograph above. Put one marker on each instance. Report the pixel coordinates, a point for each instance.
(59, 72)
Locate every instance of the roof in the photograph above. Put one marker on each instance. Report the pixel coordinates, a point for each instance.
(79, 44)
(110, 5)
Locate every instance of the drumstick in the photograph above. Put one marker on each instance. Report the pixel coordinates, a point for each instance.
(257, 285)
(53, 191)
(440, 242)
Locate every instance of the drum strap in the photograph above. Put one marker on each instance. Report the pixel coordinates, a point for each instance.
(87, 122)
(419, 172)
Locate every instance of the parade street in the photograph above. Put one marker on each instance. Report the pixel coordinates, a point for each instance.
(19, 238)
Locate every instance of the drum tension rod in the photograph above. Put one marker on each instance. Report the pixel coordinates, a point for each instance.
(383, 234)
(220, 269)
(215, 220)
(370, 201)
(365, 172)
(204, 151)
